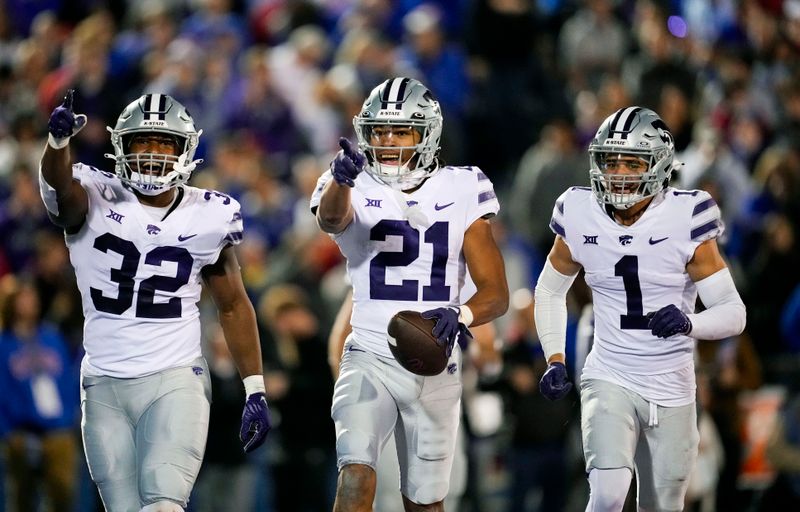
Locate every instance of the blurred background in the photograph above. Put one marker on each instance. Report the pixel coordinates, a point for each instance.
(523, 85)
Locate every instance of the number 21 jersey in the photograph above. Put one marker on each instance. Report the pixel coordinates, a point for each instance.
(404, 251)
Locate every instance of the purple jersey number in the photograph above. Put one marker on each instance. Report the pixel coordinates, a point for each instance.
(408, 290)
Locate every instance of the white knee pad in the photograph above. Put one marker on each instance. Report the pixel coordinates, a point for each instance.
(608, 489)
(162, 506)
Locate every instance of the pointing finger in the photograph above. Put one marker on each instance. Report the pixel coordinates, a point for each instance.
(346, 146)
(68, 99)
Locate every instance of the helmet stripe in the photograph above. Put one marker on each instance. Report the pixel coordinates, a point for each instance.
(145, 105)
(401, 92)
(621, 125)
(162, 107)
(629, 121)
(394, 93)
(385, 95)
(155, 107)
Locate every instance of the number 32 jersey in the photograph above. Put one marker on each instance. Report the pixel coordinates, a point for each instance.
(140, 278)
(635, 270)
(396, 266)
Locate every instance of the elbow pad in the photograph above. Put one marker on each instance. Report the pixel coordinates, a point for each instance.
(550, 309)
(725, 313)
(48, 194)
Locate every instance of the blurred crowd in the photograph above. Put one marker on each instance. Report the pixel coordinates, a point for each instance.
(523, 85)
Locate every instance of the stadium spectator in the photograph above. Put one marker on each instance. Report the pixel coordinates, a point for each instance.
(39, 404)
(743, 54)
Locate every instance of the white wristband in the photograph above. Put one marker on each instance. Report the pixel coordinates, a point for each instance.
(55, 143)
(465, 315)
(254, 384)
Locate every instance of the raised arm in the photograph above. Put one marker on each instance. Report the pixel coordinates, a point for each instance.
(335, 212)
(64, 197)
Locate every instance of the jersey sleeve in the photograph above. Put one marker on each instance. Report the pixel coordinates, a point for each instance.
(82, 172)
(87, 174)
(486, 199)
(91, 179)
(557, 222)
(317, 195)
(234, 231)
(231, 226)
(706, 222)
(48, 193)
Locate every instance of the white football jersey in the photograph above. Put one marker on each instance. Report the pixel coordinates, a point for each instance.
(396, 266)
(635, 270)
(140, 278)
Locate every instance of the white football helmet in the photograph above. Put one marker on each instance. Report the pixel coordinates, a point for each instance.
(401, 102)
(161, 114)
(637, 132)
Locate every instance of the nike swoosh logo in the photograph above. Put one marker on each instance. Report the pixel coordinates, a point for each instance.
(654, 242)
(437, 207)
(182, 238)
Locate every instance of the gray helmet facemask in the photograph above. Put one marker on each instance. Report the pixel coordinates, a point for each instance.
(158, 114)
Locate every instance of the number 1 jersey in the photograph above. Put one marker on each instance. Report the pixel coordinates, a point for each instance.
(635, 270)
(404, 251)
(140, 278)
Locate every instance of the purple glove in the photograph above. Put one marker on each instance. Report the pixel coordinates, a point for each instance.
(447, 328)
(63, 122)
(669, 321)
(256, 422)
(347, 163)
(555, 384)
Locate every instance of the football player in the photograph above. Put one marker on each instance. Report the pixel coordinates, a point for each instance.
(484, 356)
(141, 241)
(648, 251)
(407, 226)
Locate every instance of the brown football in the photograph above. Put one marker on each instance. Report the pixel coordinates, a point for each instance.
(413, 345)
